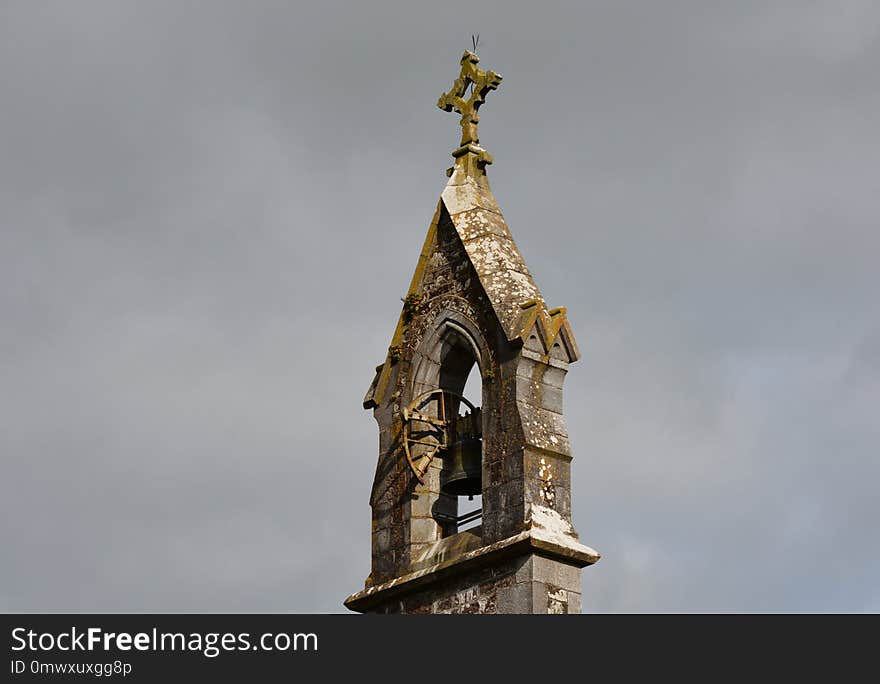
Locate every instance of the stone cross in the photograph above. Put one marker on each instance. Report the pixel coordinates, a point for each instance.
(483, 82)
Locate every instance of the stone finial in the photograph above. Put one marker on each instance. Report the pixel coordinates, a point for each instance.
(469, 154)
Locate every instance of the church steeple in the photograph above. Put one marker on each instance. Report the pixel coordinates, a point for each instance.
(472, 304)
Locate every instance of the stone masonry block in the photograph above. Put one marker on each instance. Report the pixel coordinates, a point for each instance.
(555, 573)
(539, 598)
(574, 603)
(424, 530)
(515, 599)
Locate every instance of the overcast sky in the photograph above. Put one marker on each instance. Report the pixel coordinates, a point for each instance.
(210, 211)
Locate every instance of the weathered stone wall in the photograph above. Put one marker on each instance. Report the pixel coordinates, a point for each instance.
(525, 444)
(526, 584)
(472, 300)
(403, 509)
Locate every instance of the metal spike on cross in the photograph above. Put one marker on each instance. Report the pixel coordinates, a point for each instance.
(475, 41)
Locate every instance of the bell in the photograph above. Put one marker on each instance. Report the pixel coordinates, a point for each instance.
(464, 471)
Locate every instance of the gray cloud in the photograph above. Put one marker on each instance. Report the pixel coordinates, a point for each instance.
(210, 214)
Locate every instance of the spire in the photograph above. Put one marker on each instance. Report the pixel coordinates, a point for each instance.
(472, 303)
(470, 158)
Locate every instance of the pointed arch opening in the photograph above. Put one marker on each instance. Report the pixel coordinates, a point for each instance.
(450, 364)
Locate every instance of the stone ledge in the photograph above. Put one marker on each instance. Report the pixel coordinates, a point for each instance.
(535, 541)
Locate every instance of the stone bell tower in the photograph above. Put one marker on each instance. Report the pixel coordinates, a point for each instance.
(472, 304)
